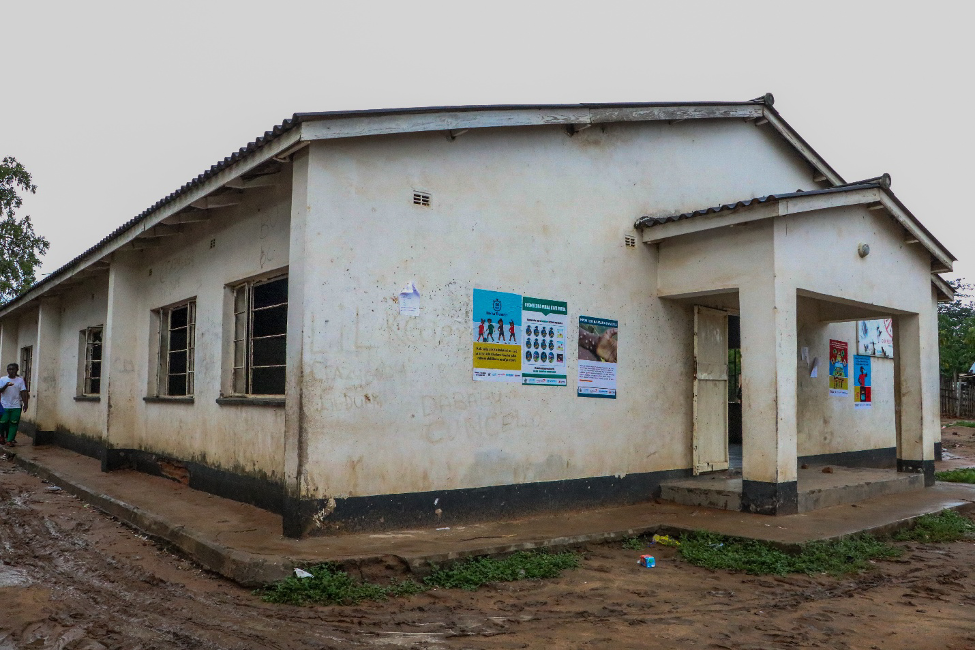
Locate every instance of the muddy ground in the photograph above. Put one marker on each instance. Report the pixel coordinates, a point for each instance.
(73, 578)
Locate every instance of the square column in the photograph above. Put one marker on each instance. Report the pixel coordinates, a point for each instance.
(768, 339)
(915, 351)
(47, 361)
(120, 388)
(294, 517)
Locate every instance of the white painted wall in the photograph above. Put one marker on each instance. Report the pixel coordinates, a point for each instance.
(82, 307)
(249, 239)
(389, 402)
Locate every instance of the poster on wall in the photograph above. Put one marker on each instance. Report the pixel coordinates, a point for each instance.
(597, 357)
(496, 336)
(862, 372)
(875, 337)
(544, 324)
(838, 368)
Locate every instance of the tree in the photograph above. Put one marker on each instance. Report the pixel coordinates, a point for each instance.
(20, 247)
(956, 322)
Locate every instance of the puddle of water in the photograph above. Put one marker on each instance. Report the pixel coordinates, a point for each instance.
(11, 577)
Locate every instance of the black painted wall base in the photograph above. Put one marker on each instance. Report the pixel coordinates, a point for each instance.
(884, 458)
(452, 507)
(262, 493)
(925, 467)
(938, 451)
(765, 498)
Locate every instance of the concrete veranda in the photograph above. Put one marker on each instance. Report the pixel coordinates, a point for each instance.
(245, 544)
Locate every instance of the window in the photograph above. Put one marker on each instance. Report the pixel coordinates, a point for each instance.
(174, 377)
(93, 360)
(26, 364)
(260, 319)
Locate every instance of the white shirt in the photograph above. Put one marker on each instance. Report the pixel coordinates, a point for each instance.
(10, 395)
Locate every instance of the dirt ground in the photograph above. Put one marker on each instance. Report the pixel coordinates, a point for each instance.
(75, 579)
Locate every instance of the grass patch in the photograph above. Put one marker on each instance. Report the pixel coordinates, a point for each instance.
(959, 475)
(945, 526)
(963, 423)
(838, 557)
(472, 573)
(329, 585)
(633, 543)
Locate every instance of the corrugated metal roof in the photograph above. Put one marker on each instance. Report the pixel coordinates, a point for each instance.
(217, 167)
(297, 118)
(648, 222)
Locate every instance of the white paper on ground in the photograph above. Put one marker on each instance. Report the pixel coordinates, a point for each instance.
(410, 300)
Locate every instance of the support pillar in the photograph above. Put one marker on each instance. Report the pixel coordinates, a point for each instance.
(120, 388)
(47, 362)
(768, 338)
(294, 518)
(8, 341)
(913, 396)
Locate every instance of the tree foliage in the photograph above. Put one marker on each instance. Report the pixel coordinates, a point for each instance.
(20, 247)
(956, 322)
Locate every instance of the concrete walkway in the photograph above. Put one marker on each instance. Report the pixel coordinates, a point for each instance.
(245, 544)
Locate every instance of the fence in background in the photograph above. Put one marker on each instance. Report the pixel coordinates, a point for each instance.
(957, 397)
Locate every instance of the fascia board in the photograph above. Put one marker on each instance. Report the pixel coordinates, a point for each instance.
(329, 128)
(796, 205)
(781, 207)
(705, 222)
(944, 260)
(212, 184)
(795, 140)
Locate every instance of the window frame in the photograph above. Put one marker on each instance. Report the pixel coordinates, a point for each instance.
(164, 320)
(88, 346)
(27, 364)
(242, 312)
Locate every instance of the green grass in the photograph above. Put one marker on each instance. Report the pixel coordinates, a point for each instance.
(331, 586)
(963, 423)
(633, 543)
(945, 526)
(472, 573)
(839, 557)
(960, 475)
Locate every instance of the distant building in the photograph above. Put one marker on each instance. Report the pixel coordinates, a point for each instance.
(250, 334)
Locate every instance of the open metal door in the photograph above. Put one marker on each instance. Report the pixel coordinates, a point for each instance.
(710, 446)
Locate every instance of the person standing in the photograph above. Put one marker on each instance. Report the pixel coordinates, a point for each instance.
(13, 398)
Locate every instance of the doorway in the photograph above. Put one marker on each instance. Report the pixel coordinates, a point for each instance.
(735, 399)
(710, 392)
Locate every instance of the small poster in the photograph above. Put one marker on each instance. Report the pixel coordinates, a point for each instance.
(544, 324)
(410, 300)
(838, 368)
(496, 336)
(875, 337)
(597, 358)
(862, 372)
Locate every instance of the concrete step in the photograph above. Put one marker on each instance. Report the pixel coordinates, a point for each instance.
(816, 488)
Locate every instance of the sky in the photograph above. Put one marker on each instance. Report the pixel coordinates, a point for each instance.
(113, 105)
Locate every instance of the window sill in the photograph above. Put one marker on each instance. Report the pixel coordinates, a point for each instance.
(88, 398)
(251, 401)
(154, 399)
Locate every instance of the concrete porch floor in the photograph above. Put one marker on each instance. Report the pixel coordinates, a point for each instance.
(818, 486)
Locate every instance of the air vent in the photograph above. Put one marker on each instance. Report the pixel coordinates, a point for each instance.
(630, 241)
(422, 198)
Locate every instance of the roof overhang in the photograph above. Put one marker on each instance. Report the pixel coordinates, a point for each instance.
(944, 290)
(874, 194)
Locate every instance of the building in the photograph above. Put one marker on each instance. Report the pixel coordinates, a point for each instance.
(294, 327)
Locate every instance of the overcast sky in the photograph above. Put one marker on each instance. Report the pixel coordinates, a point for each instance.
(111, 106)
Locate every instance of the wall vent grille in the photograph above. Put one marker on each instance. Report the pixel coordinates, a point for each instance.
(630, 241)
(422, 198)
